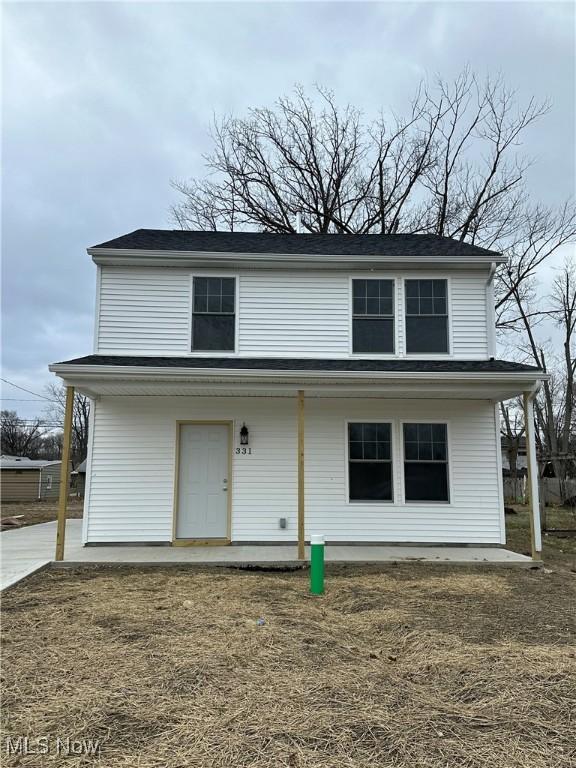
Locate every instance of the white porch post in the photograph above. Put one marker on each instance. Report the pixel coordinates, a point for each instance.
(534, 501)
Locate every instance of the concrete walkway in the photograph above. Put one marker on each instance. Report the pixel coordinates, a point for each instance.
(28, 549)
(25, 550)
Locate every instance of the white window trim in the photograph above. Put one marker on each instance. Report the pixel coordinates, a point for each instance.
(431, 355)
(443, 504)
(374, 355)
(213, 352)
(371, 502)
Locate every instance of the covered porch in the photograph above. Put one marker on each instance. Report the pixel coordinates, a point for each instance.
(453, 385)
(28, 550)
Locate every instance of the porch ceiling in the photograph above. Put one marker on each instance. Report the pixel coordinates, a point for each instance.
(494, 387)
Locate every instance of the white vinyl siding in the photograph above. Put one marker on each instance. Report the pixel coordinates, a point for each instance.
(144, 311)
(294, 314)
(472, 516)
(147, 311)
(469, 316)
(133, 455)
(131, 491)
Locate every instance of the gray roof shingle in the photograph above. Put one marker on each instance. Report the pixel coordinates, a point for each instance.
(305, 364)
(403, 245)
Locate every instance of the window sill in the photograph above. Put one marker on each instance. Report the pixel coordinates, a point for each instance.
(428, 355)
(401, 504)
(371, 501)
(427, 504)
(374, 355)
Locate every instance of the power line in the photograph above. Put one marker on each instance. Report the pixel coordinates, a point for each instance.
(21, 399)
(39, 422)
(50, 400)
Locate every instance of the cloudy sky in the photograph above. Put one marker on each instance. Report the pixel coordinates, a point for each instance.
(105, 102)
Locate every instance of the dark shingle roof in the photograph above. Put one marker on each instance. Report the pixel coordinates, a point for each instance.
(304, 364)
(401, 246)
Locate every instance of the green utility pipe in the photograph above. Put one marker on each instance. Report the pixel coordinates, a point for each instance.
(316, 565)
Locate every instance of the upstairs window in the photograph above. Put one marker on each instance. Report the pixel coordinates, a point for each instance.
(372, 316)
(426, 462)
(370, 462)
(214, 314)
(426, 316)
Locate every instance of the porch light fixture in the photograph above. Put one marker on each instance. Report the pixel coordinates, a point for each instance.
(244, 435)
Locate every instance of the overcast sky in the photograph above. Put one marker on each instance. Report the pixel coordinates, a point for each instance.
(104, 103)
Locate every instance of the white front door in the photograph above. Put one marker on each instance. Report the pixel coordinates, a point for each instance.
(203, 482)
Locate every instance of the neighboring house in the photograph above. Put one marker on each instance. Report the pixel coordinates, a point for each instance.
(24, 479)
(78, 479)
(263, 387)
(552, 490)
(545, 468)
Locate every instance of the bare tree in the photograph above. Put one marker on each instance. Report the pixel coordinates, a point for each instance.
(449, 167)
(51, 446)
(80, 419)
(512, 429)
(539, 233)
(555, 409)
(20, 437)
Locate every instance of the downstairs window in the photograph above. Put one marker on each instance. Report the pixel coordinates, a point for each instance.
(370, 462)
(426, 462)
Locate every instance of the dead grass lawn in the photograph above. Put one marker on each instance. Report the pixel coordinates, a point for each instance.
(559, 549)
(40, 511)
(407, 666)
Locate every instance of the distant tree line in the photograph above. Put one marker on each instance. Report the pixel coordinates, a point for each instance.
(41, 437)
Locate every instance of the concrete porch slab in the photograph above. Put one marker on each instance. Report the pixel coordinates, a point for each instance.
(28, 549)
(286, 555)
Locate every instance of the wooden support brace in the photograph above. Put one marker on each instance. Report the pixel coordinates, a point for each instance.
(64, 474)
(301, 549)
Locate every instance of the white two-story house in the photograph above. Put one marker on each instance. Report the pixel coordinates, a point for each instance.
(265, 387)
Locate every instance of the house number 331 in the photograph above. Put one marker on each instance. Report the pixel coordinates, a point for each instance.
(244, 450)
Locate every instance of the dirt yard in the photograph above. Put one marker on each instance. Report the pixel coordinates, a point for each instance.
(405, 666)
(409, 666)
(40, 511)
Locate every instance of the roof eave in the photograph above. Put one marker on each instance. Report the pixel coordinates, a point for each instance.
(105, 256)
(134, 372)
(28, 469)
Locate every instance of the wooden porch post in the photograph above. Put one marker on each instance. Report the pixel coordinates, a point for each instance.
(532, 485)
(301, 551)
(64, 474)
